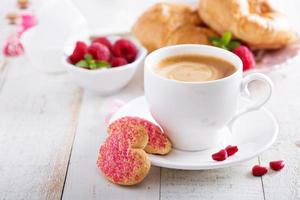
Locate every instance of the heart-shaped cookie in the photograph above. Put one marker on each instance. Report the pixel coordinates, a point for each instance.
(122, 159)
(158, 142)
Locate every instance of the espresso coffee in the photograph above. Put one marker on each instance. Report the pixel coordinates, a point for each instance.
(194, 68)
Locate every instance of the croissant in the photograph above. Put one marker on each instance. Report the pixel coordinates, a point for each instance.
(255, 22)
(168, 24)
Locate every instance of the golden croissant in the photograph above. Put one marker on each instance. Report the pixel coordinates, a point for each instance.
(252, 21)
(168, 24)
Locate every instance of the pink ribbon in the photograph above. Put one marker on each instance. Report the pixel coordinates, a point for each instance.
(12, 46)
(27, 21)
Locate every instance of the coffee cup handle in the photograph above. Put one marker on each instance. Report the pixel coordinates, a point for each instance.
(244, 90)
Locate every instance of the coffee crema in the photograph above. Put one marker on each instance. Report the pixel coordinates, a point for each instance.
(194, 68)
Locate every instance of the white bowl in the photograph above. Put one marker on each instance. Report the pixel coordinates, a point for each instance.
(42, 57)
(106, 81)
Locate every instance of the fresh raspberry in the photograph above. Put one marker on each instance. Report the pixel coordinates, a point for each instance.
(78, 53)
(126, 49)
(99, 51)
(220, 155)
(258, 170)
(104, 41)
(246, 56)
(231, 150)
(277, 165)
(118, 61)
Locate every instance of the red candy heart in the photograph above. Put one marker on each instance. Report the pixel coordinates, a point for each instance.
(277, 165)
(258, 170)
(220, 155)
(231, 150)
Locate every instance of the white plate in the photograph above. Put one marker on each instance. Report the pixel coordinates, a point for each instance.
(253, 133)
(270, 60)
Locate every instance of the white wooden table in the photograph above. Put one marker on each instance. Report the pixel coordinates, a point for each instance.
(50, 133)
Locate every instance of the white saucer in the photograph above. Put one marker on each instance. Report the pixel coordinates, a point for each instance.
(253, 133)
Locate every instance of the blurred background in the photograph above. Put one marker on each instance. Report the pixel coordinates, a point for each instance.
(115, 15)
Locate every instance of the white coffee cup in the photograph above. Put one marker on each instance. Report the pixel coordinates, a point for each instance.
(193, 114)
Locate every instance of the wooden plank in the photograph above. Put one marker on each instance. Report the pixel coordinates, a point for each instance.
(228, 183)
(285, 105)
(84, 181)
(214, 184)
(38, 117)
(3, 71)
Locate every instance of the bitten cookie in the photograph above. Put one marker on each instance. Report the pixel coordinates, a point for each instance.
(122, 159)
(158, 142)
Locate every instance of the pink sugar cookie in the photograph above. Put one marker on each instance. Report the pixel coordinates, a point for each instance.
(158, 142)
(122, 159)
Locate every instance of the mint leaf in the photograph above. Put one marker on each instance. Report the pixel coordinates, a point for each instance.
(226, 37)
(88, 57)
(102, 64)
(225, 41)
(215, 43)
(215, 40)
(233, 44)
(90, 61)
(93, 64)
(82, 64)
(223, 47)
